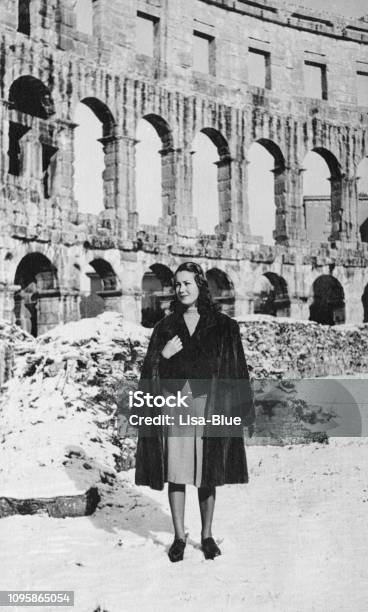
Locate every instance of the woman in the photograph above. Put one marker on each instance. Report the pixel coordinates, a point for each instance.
(198, 351)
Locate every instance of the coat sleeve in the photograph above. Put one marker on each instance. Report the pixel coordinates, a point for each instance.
(242, 384)
(150, 374)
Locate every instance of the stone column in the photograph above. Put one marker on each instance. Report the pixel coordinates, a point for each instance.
(243, 305)
(4, 144)
(110, 149)
(168, 181)
(239, 195)
(131, 306)
(124, 189)
(65, 23)
(177, 180)
(7, 302)
(290, 222)
(64, 175)
(48, 311)
(299, 307)
(70, 305)
(233, 196)
(224, 185)
(344, 209)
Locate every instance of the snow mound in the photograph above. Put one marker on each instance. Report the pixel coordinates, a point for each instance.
(59, 409)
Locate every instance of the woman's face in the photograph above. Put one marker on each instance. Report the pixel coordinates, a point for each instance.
(186, 288)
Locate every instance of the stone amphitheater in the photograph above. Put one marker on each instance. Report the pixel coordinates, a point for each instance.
(58, 264)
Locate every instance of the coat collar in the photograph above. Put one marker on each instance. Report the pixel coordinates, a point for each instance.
(206, 321)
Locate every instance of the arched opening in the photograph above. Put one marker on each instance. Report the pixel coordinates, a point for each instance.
(321, 195)
(271, 296)
(104, 291)
(94, 153)
(328, 306)
(29, 95)
(84, 16)
(103, 278)
(155, 171)
(362, 187)
(222, 290)
(209, 151)
(36, 304)
(157, 293)
(266, 178)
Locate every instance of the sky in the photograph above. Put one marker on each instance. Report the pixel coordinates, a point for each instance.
(89, 161)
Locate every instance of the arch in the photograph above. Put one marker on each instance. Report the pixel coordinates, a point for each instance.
(205, 187)
(103, 114)
(162, 128)
(155, 169)
(29, 95)
(219, 141)
(222, 290)
(267, 190)
(104, 278)
(157, 293)
(271, 295)
(276, 153)
(322, 195)
(328, 306)
(331, 161)
(36, 303)
(94, 151)
(211, 187)
(104, 292)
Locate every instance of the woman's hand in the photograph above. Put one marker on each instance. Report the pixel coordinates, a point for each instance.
(172, 347)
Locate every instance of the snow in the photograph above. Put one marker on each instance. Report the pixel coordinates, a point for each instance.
(102, 327)
(294, 538)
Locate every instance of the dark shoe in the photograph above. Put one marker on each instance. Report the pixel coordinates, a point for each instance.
(176, 550)
(210, 548)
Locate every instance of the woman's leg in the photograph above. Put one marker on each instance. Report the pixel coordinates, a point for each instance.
(206, 497)
(177, 505)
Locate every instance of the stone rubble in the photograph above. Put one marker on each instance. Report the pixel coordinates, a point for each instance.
(59, 409)
(12, 338)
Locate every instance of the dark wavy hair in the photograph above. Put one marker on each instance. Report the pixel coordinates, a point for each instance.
(205, 301)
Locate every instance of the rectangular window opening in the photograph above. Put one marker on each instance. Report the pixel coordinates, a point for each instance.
(84, 16)
(259, 68)
(204, 53)
(48, 168)
(315, 80)
(362, 88)
(24, 17)
(147, 31)
(16, 133)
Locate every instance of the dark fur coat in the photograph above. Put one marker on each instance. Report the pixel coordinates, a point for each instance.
(224, 459)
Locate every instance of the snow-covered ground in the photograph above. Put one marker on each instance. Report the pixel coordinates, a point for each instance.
(294, 539)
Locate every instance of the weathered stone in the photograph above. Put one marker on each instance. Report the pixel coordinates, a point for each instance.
(91, 306)
(57, 507)
(39, 214)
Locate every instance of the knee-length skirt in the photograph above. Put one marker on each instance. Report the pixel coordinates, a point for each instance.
(183, 445)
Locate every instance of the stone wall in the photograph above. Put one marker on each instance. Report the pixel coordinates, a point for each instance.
(57, 66)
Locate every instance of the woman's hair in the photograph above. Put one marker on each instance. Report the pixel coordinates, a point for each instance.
(205, 302)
